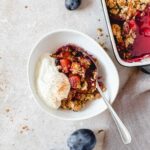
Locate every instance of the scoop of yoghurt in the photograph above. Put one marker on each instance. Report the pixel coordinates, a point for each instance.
(52, 85)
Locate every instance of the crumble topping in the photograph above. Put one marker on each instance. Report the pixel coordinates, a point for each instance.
(125, 9)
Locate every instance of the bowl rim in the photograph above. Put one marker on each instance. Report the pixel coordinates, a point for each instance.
(29, 79)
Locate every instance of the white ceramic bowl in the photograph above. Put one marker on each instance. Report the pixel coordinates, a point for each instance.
(56, 39)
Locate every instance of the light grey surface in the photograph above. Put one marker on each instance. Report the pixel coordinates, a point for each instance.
(23, 125)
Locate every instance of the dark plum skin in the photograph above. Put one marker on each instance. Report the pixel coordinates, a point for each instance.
(57, 62)
(72, 4)
(82, 139)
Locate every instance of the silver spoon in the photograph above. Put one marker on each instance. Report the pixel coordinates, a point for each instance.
(124, 133)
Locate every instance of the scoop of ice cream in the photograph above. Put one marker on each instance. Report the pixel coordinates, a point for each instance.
(52, 86)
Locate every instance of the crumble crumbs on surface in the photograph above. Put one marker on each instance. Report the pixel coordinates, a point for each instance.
(24, 129)
(7, 110)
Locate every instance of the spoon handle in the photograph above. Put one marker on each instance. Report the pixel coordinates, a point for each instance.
(124, 133)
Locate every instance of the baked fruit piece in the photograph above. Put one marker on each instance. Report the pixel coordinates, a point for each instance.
(125, 9)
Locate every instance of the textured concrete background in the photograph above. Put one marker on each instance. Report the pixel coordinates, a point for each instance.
(23, 125)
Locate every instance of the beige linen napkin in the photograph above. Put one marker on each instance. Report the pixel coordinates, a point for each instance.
(133, 107)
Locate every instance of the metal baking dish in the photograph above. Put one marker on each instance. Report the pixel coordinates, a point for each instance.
(143, 62)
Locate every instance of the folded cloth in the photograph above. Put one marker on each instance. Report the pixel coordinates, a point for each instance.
(133, 107)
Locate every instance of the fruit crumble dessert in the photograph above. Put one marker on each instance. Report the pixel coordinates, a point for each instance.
(125, 9)
(75, 63)
(130, 22)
